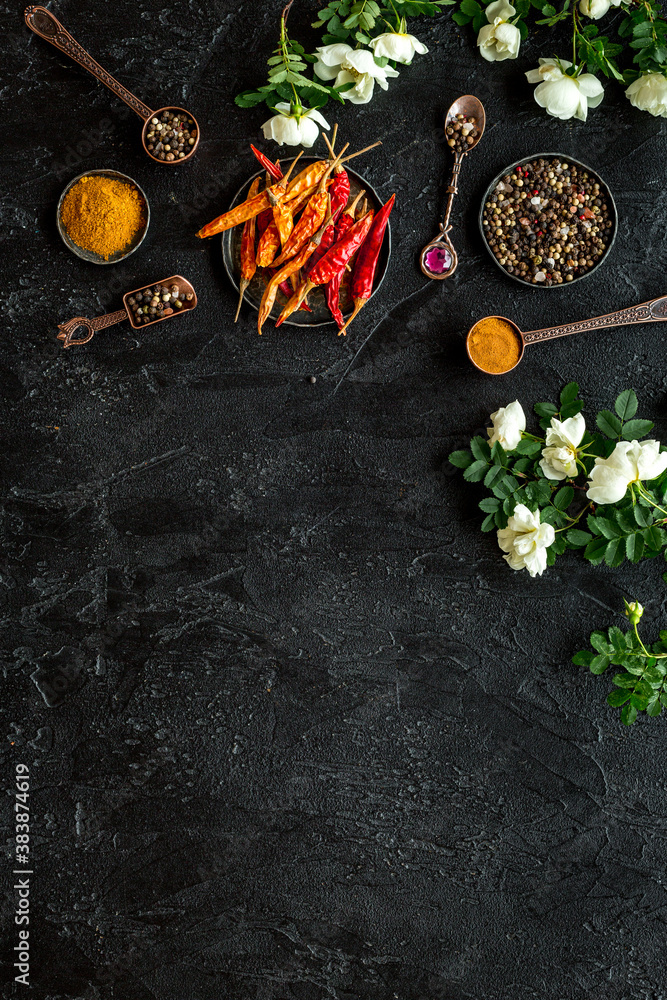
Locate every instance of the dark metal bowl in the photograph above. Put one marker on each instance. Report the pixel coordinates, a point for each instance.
(88, 255)
(320, 315)
(569, 159)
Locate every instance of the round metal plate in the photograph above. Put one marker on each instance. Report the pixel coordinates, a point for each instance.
(320, 315)
(577, 163)
(88, 255)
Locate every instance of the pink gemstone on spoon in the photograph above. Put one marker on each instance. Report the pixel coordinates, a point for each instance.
(438, 260)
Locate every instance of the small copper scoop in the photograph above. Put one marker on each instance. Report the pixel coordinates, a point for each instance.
(439, 259)
(500, 337)
(43, 23)
(68, 329)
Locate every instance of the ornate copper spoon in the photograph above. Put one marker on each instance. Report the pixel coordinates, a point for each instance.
(68, 329)
(504, 338)
(438, 259)
(43, 23)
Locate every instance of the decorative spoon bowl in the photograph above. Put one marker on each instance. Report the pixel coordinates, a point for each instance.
(43, 23)
(481, 337)
(439, 259)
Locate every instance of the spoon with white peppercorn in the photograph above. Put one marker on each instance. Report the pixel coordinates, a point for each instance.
(170, 135)
(144, 306)
(464, 127)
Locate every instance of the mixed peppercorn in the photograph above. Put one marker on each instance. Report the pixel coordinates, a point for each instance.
(461, 132)
(157, 302)
(548, 222)
(171, 136)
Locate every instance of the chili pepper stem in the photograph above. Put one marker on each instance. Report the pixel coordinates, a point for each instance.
(243, 284)
(333, 137)
(358, 306)
(272, 198)
(360, 151)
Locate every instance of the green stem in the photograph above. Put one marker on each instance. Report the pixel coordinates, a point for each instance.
(574, 520)
(647, 496)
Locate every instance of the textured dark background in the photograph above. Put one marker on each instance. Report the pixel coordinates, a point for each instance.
(295, 730)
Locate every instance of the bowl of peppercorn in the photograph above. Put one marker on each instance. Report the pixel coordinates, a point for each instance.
(548, 220)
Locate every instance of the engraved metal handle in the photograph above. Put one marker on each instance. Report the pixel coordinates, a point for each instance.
(91, 326)
(653, 311)
(43, 23)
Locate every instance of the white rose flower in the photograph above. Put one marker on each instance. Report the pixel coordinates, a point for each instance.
(649, 93)
(342, 63)
(629, 462)
(564, 96)
(559, 457)
(293, 130)
(526, 541)
(595, 9)
(508, 422)
(397, 46)
(498, 40)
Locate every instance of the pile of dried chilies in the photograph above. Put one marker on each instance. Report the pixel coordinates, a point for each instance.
(307, 232)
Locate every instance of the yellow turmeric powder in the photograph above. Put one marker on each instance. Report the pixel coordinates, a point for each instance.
(494, 345)
(102, 214)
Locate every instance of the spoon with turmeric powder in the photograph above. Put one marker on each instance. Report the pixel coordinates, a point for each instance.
(496, 345)
(176, 126)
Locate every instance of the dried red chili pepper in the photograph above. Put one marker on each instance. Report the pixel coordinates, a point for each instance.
(332, 288)
(285, 271)
(271, 167)
(249, 208)
(312, 216)
(339, 193)
(366, 262)
(337, 257)
(269, 242)
(247, 251)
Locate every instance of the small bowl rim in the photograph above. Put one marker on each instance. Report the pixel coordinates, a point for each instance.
(80, 251)
(156, 159)
(519, 163)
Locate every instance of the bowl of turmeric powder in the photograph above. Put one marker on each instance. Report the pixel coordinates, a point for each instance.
(103, 216)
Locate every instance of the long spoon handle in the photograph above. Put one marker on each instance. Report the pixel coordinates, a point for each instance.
(91, 326)
(653, 311)
(43, 23)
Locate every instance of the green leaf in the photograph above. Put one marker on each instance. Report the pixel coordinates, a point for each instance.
(578, 538)
(470, 7)
(505, 486)
(563, 498)
(528, 447)
(569, 392)
(615, 552)
(599, 664)
(461, 459)
(249, 98)
(545, 409)
(635, 429)
(489, 505)
(460, 19)
(624, 680)
(617, 639)
(570, 409)
(489, 523)
(643, 517)
(604, 526)
(654, 537)
(618, 698)
(634, 546)
(626, 404)
(609, 423)
(653, 708)
(475, 472)
(495, 473)
(480, 449)
(595, 550)
(628, 715)
(599, 642)
(548, 10)
(583, 658)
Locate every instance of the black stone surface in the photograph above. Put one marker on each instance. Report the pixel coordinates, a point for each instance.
(295, 730)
